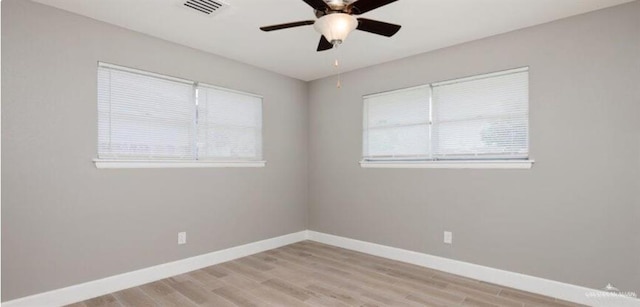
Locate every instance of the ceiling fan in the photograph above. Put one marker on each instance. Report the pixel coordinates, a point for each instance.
(336, 20)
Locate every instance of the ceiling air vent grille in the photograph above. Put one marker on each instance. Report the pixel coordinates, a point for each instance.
(205, 6)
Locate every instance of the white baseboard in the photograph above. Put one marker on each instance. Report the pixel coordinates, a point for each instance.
(518, 281)
(115, 283)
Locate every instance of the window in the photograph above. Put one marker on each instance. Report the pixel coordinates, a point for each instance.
(479, 121)
(151, 120)
(229, 125)
(397, 125)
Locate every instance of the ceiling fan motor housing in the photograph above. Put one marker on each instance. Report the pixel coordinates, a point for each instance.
(333, 8)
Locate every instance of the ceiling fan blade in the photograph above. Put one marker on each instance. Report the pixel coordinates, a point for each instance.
(287, 25)
(324, 44)
(363, 6)
(317, 4)
(377, 27)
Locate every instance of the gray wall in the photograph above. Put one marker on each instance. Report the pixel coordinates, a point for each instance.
(572, 218)
(64, 221)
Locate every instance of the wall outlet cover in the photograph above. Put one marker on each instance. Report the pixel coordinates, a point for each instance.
(182, 238)
(448, 237)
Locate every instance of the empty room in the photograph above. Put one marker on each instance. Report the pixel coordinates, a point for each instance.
(320, 153)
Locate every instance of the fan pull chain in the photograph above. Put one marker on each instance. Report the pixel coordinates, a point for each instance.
(336, 64)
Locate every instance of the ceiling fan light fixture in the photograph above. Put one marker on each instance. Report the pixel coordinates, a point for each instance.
(336, 27)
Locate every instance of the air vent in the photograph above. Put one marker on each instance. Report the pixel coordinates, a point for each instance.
(205, 6)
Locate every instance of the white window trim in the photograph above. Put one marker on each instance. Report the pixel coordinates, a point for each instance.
(461, 164)
(107, 164)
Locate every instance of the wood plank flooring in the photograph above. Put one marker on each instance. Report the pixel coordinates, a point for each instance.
(313, 274)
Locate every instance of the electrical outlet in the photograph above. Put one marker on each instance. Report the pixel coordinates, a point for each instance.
(182, 238)
(448, 237)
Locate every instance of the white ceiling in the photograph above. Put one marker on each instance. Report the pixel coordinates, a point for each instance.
(233, 32)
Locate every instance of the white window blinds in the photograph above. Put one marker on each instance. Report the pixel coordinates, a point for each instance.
(483, 117)
(229, 125)
(396, 124)
(142, 116)
(146, 116)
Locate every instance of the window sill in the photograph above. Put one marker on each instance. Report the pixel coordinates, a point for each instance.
(469, 164)
(174, 164)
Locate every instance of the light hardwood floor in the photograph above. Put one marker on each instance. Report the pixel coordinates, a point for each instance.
(313, 274)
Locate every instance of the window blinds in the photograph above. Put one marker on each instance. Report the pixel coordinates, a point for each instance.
(480, 117)
(145, 116)
(229, 125)
(396, 124)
